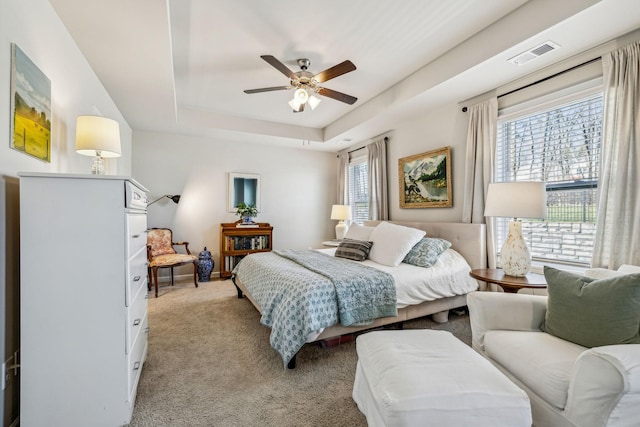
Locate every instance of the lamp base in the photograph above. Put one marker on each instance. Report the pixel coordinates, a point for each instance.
(514, 255)
(341, 230)
(97, 167)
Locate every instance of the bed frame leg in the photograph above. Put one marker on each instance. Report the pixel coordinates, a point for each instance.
(292, 363)
(233, 279)
(442, 317)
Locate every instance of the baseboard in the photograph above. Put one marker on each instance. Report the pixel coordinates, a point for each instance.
(167, 279)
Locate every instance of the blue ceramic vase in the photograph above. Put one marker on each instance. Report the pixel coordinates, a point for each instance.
(205, 266)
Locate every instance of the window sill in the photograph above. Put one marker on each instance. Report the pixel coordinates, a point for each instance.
(538, 267)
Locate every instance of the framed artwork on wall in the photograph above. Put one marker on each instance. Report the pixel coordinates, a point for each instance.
(30, 107)
(425, 180)
(244, 188)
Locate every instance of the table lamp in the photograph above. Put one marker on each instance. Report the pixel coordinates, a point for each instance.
(98, 137)
(342, 213)
(516, 200)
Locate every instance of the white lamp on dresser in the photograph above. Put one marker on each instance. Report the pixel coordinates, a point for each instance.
(97, 137)
(516, 200)
(341, 213)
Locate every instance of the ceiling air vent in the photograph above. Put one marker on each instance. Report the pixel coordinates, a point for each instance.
(534, 53)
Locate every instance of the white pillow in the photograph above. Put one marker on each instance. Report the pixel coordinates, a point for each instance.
(391, 243)
(359, 232)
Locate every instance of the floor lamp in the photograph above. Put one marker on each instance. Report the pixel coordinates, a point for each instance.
(516, 200)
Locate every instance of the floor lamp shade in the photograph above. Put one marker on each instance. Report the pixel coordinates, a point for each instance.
(97, 137)
(341, 213)
(516, 200)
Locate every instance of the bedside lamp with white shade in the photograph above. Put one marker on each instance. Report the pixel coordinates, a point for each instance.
(342, 213)
(516, 200)
(97, 137)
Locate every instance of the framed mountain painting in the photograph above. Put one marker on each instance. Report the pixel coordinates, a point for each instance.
(425, 180)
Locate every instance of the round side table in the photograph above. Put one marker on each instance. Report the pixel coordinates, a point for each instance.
(508, 283)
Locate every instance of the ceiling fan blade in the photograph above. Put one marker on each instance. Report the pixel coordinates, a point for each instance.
(338, 96)
(267, 89)
(271, 60)
(335, 71)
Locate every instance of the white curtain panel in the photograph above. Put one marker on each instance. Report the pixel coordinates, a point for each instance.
(343, 188)
(479, 166)
(377, 170)
(618, 221)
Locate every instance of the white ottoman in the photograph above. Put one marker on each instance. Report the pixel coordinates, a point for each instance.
(430, 378)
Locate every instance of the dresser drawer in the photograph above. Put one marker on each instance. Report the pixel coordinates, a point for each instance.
(136, 358)
(136, 232)
(136, 275)
(136, 313)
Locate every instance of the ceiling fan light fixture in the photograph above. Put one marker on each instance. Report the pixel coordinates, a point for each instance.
(301, 95)
(294, 104)
(313, 102)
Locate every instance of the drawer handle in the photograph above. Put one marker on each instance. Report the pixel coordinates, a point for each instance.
(136, 278)
(146, 330)
(136, 322)
(135, 236)
(136, 366)
(146, 296)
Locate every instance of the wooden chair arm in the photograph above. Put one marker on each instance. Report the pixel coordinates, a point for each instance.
(186, 246)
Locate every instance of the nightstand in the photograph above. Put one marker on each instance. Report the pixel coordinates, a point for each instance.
(508, 283)
(335, 243)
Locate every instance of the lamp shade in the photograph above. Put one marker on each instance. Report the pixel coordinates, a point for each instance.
(97, 136)
(341, 212)
(516, 200)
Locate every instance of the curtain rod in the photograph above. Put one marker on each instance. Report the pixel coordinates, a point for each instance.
(465, 109)
(386, 139)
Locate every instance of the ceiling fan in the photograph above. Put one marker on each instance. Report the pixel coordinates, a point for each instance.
(307, 84)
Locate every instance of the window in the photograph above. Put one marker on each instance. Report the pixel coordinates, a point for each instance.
(559, 145)
(358, 189)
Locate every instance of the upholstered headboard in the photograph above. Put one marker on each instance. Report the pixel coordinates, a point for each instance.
(470, 240)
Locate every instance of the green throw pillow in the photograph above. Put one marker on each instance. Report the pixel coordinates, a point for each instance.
(592, 312)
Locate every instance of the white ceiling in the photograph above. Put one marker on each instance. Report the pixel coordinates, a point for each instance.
(181, 66)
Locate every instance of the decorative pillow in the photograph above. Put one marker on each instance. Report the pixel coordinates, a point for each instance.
(392, 242)
(359, 232)
(426, 252)
(592, 312)
(356, 250)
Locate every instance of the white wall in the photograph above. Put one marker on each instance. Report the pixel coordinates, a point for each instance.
(75, 90)
(429, 130)
(298, 188)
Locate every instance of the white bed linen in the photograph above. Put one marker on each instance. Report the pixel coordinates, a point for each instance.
(448, 277)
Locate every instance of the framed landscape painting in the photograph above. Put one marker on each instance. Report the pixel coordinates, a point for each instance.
(425, 180)
(30, 107)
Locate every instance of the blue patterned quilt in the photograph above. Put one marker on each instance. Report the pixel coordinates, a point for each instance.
(302, 291)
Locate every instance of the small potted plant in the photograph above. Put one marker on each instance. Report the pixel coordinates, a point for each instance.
(246, 212)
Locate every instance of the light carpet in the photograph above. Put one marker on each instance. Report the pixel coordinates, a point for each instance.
(210, 364)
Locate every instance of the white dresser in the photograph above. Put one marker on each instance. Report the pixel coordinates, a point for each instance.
(83, 298)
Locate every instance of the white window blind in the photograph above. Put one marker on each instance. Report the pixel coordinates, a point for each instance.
(358, 189)
(559, 145)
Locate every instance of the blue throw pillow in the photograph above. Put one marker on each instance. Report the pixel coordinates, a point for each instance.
(426, 252)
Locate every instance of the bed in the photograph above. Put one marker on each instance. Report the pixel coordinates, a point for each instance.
(273, 280)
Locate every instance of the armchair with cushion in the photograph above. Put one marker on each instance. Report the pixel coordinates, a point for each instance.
(549, 346)
(162, 254)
